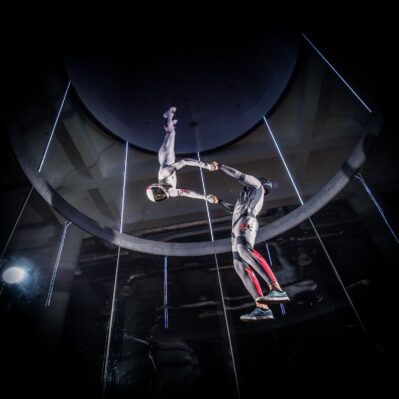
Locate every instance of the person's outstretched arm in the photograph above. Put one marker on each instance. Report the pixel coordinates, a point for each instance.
(247, 180)
(194, 162)
(182, 192)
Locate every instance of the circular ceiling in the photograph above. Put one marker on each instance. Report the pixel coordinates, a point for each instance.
(221, 85)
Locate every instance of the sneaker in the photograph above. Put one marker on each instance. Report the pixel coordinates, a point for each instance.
(274, 296)
(258, 314)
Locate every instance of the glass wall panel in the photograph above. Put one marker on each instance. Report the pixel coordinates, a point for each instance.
(33, 297)
(85, 166)
(365, 253)
(313, 335)
(324, 120)
(83, 345)
(14, 188)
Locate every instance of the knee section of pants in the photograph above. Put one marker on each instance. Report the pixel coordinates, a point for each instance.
(239, 268)
(244, 251)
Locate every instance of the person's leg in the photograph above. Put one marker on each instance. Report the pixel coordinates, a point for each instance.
(245, 250)
(258, 263)
(247, 276)
(273, 280)
(251, 283)
(166, 154)
(267, 274)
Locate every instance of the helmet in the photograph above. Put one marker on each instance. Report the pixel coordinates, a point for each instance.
(157, 192)
(267, 184)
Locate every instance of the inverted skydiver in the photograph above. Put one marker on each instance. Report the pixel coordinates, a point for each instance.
(166, 186)
(244, 230)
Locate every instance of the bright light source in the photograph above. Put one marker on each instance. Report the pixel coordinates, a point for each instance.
(14, 275)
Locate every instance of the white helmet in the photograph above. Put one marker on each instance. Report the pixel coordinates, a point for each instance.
(157, 192)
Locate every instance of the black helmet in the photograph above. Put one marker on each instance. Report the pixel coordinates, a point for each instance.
(157, 192)
(267, 184)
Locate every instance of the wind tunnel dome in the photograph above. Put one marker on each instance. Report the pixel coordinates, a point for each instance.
(221, 85)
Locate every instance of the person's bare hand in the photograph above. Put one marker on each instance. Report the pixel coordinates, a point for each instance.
(212, 166)
(216, 165)
(213, 199)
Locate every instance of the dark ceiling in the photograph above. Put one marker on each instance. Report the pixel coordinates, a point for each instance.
(222, 85)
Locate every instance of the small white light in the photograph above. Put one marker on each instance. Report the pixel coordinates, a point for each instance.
(14, 275)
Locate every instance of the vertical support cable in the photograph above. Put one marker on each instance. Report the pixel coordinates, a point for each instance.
(377, 205)
(124, 188)
(54, 127)
(21, 211)
(165, 292)
(337, 73)
(111, 319)
(317, 234)
(57, 262)
(220, 284)
(282, 307)
(43, 157)
(283, 160)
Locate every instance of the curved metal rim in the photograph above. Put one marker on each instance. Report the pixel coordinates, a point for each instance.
(314, 204)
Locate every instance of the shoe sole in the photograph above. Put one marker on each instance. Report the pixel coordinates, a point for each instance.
(257, 319)
(273, 301)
